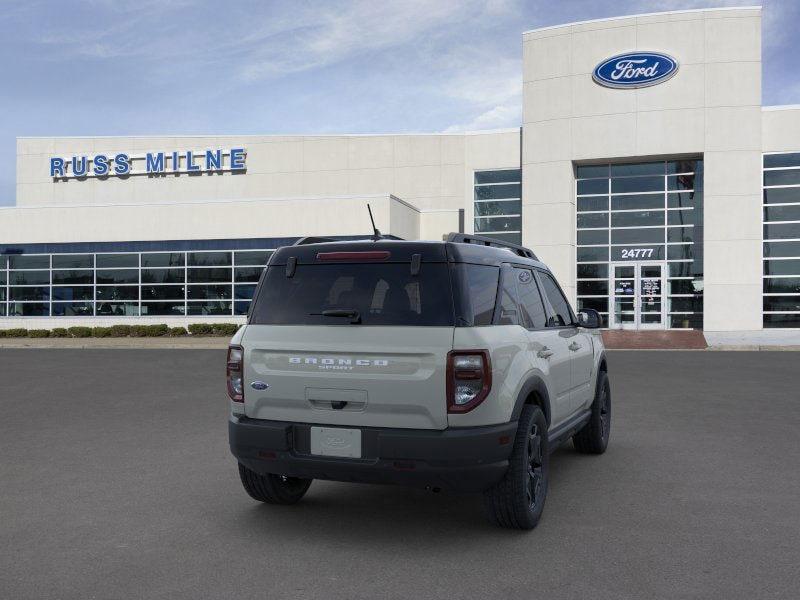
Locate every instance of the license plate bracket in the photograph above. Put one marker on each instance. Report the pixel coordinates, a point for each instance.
(336, 441)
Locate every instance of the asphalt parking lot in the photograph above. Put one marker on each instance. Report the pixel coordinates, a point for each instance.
(116, 482)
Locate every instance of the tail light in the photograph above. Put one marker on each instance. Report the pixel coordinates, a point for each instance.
(235, 373)
(469, 379)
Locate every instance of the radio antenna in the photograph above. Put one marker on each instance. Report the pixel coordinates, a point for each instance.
(376, 235)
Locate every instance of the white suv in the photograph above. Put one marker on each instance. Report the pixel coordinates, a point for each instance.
(453, 365)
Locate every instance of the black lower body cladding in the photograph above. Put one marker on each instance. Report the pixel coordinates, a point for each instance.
(468, 459)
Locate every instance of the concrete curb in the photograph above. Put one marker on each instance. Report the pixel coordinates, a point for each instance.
(166, 343)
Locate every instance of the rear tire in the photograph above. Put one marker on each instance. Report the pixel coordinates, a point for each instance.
(517, 501)
(273, 489)
(593, 438)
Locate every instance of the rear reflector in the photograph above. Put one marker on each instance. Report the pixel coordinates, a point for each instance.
(369, 255)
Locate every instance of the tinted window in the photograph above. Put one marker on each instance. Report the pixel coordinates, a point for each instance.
(507, 298)
(383, 294)
(480, 293)
(530, 300)
(563, 314)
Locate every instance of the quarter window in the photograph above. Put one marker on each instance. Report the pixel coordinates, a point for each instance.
(562, 315)
(530, 300)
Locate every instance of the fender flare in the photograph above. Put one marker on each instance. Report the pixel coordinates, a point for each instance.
(534, 384)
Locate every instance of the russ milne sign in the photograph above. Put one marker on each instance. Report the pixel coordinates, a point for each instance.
(635, 70)
(150, 163)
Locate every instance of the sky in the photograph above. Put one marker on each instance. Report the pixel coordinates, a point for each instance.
(171, 67)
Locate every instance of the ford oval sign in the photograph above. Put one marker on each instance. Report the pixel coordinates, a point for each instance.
(635, 70)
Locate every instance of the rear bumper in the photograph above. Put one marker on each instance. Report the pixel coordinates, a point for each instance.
(466, 459)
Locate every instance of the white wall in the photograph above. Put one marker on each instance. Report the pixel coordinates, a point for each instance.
(711, 107)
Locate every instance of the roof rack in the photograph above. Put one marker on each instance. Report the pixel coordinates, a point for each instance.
(311, 239)
(465, 238)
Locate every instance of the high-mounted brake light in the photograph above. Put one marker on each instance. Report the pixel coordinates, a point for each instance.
(235, 373)
(368, 255)
(469, 379)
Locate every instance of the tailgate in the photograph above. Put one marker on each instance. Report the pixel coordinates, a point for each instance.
(378, 376)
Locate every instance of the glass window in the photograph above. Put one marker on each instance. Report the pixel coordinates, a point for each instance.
(492, 192)
(73, 261)
(789, 177)
(782, 267)
(502, 176)
(382, 294)
(592, 220)
(782, 160)
(71, 292)
(209, 292)
(782, 285)
(593, 271)
(116, 261)
(117, 276)
(586, 171)
(593, 236)
(782, 195)
(218, 308)
(244, 292)
(162, 308)
(682, 217)
(683, 286)
(637, 219)
(649, 168)
(117, 292)
(592, 186)
(29, 261)
(508, 313)
(62, 277)
(782, 231)
(684, 199)
(680, 182)
(209, 275)
(162, 292)
(562, 313)
(596, 203)
(782, 213)
(73, 309)
(163, 276)
(681, 269)
(498, 224)
(499, 207)
(637, 202)
(2, 277)
(593, 288)
(209, 259)
(693, 304)
(530, 300)
(782, 320)
(29, 277)
(680, 234)
(693, 321)
(684, 166)
(250, 274)
(782, 249)
(478, 292)
(638, 252)
(28, 309)
(598, 304)
(680, 252)
(241, 307)
(637, 236)
(252, 257)
(589, 254)
(782, 303)
(163, 259)
(29, 293)
(117, 309)
(637, 184)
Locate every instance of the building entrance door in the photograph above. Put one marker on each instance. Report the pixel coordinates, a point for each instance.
(637, 295)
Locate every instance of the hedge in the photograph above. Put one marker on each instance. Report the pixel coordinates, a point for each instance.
(162, 329)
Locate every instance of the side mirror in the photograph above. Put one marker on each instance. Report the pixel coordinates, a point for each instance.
(589, 318)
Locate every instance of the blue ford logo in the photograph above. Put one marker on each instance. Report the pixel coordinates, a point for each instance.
(635, 70)
(259, 385)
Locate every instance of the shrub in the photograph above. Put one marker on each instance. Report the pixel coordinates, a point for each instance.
(80, 332)
(156, 330)
(227, 329)
(120, 330)
(16, 332)
(59, 332)
(177, 331)
(39, 333)
(138, 330)
(201, 329)
(101, 332)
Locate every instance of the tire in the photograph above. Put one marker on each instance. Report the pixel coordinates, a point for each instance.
(273, 489)
(517, 501)
(593, 438)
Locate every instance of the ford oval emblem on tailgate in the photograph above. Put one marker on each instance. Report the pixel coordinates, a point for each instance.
(259, 385)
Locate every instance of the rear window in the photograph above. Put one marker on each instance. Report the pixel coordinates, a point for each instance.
(381, 294)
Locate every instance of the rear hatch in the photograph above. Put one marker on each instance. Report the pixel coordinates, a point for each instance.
(357, 337)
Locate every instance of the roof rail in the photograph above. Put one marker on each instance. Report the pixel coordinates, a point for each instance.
(465, 238)
(311, 239)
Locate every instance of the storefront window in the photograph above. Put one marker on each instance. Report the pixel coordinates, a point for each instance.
(498, 205)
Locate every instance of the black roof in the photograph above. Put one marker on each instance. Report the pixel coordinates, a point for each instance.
(401, 251)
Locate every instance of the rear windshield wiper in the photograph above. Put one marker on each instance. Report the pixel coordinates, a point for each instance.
(348, 313)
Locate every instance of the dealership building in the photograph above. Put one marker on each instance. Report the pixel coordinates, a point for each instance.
(646, 173)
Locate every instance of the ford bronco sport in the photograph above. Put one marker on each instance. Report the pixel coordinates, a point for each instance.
(454, 365)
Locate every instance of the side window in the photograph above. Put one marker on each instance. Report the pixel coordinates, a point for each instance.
(507, 298)
(481, 293)
(530, 300)
(563, 314)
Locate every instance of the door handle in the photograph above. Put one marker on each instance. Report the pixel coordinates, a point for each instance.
(574, 346)
(545, 352)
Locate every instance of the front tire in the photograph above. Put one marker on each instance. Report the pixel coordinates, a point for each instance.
(273, 489)
(517, 501)
(593, 438)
